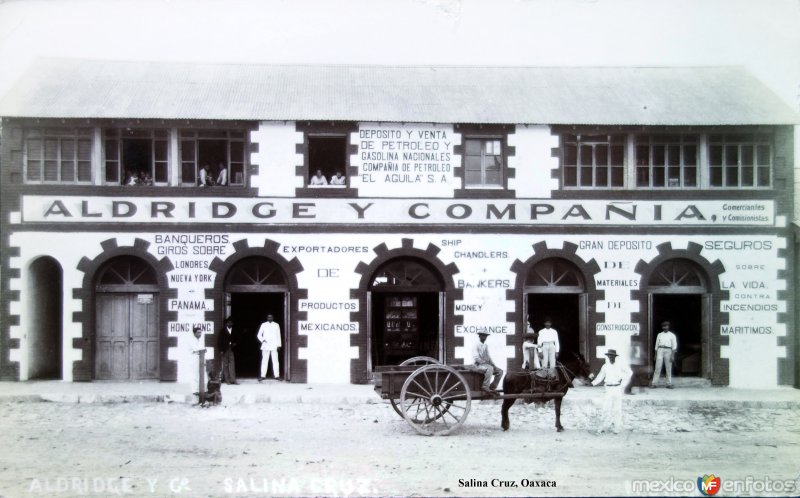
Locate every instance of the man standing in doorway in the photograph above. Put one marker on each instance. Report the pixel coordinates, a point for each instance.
(269, 334)
(548, 341)
(483, 362)
(666, 346)
(225, 344)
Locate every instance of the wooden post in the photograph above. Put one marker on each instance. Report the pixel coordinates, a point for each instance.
(201, 389)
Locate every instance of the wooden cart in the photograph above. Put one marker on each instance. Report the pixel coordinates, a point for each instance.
(434, 398)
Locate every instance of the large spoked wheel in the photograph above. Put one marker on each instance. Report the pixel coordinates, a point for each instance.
(417, 360)
(435, 400)
(421, 360)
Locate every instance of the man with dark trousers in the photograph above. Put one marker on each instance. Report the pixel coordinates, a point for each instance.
(225, 344)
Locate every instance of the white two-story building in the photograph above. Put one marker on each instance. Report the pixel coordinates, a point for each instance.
(465, 199)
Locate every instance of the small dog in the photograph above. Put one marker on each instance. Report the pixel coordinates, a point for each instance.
(213, 394)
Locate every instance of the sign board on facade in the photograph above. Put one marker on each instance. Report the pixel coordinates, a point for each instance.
(516, 212)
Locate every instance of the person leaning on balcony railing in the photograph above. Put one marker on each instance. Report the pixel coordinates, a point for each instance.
(145, 179)
(203, 181)
(338, 179)
(318, 180)
(131, 178)
(222, 177)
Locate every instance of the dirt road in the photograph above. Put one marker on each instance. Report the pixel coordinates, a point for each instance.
(54, 449)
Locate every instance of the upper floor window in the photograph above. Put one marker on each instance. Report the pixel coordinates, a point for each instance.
(327, 161)
(593, 160)
(58, 155)
(483, 162)
(212, 157)
(136, 156)
(666, 161)
(740, 160)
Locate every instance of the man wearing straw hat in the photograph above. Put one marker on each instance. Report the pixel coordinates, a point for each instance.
(483, 363)
(616, 377)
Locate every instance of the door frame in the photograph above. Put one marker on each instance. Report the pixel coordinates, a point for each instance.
(706, 300)
(36, 330)
(441, 342)
(131, 291)
(286, 356)
(583, 312)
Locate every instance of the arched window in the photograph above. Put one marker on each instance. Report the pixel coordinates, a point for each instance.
(255, 274)
(554, 275)
(678, 276)
(406, 273)
(127, 274)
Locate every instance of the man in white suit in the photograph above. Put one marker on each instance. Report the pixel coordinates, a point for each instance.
(194, 346)
(269, 334)
(615, 375)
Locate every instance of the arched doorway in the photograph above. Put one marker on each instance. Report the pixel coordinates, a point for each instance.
(678, 292)
(45, 330)
(405, 297)
(126, 333)
(256, 286)
(555, 288)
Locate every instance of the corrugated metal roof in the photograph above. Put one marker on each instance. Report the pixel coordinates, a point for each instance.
(68, 88)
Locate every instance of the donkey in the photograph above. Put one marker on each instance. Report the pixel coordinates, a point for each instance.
(556, 388)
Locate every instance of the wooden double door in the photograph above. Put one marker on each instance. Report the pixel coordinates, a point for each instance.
(127, 338)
